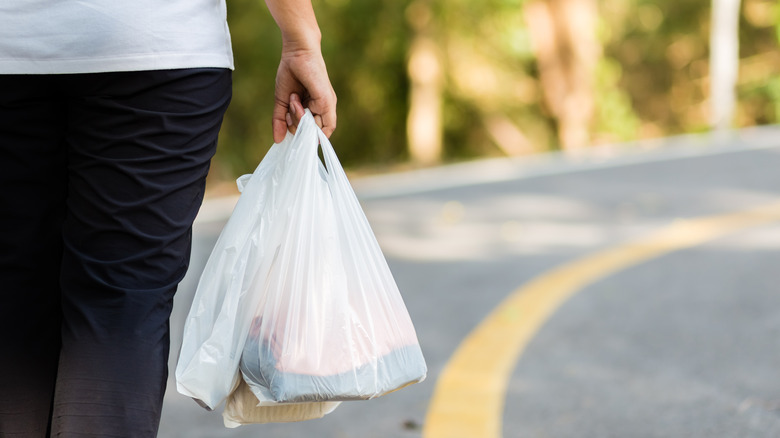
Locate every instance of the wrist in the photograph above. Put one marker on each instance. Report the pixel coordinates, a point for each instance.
(302, 40)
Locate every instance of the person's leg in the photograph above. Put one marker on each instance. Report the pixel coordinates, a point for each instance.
(32, 199)
(139, 150)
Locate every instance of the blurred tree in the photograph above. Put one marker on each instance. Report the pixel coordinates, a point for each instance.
(246, 133)
(364, 45)
(758, 85)
(626, 69)
(567, 52)
(424, 121)
(662, 47)
(491, 93)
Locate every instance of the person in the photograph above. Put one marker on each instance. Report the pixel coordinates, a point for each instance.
(109, 116)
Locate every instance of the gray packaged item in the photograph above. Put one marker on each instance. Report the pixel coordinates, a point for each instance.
(378, 375)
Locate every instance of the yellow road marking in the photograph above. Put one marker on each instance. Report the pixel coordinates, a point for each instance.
(468, 401)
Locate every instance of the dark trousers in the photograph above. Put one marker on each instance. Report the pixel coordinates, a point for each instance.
(101, 176)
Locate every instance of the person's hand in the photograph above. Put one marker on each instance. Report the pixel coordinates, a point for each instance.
(302, 82)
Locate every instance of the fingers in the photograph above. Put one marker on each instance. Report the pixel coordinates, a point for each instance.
(324, 110)
(279, 120)
(295, 113)
(286, 117)
(280, 130)
(296, 108)
(328, 123)
(325, 119)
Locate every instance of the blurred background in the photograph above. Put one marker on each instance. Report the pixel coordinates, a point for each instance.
(422, 82)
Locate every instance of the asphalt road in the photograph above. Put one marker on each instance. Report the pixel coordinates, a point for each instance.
(683, 345)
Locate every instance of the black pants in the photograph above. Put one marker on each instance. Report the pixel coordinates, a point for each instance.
(101, 176)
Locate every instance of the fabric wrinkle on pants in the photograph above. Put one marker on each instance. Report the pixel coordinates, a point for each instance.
(110, 170)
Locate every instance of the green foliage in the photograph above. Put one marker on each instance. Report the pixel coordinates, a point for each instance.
(663, 49)
(364, 45)
(490, 68)
(758, 90)
(246, 133)
(616, 119)
(661, 45)
(773, 91)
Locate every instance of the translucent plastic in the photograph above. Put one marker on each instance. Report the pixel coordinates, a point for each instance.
(297, 303)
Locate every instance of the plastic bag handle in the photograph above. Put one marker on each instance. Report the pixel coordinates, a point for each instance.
(333, 167)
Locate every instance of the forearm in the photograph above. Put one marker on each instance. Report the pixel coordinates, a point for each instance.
(297, 23)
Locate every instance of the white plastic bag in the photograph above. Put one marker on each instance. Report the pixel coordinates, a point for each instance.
(297, 295)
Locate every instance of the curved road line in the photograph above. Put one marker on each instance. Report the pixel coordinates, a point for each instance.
(468, 401)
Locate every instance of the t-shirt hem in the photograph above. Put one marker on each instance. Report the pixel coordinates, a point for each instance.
(115, 64)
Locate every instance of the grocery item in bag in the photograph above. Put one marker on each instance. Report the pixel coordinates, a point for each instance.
(330, 323)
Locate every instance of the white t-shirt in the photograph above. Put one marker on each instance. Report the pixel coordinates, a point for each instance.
(89, 36)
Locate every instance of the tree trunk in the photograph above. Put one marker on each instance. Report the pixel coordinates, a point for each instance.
(424, 122)
(567, 51)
